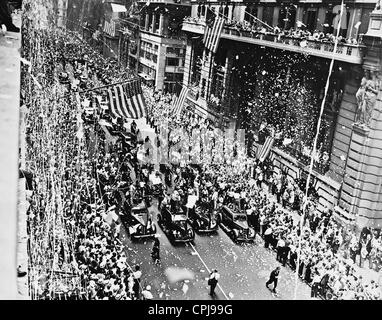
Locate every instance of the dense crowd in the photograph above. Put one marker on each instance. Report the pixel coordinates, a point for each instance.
(274, 203)
(92, 167)
(298, 33)
(84, 167)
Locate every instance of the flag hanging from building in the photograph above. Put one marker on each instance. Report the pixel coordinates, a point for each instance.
(109, 28)
(212, 35)
(126, 100)
(179, 101)
(266, 148)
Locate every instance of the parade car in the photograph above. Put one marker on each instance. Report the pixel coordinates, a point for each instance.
(204, 220)
(139, 222)
(175, 225)
(234, 223)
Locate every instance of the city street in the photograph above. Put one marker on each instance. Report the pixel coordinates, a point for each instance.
(258, 117)
(244, 268)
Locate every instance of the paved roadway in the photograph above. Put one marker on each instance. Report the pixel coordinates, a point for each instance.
(244, 268)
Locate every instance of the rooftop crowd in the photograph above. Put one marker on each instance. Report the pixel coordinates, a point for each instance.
(299, 33)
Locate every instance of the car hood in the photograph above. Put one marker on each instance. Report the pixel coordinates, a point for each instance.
(242, 224)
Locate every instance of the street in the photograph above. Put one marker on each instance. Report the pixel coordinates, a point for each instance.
(244, 268)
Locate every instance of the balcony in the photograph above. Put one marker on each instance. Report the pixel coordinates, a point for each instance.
(178, 2)
(345, 52)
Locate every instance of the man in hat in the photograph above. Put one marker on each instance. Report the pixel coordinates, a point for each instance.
(146, 294)
(213, 281)
(273, 278)
(137, 279)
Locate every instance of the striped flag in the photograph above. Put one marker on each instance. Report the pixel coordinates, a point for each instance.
(266, 148)
(109, 28)
(179, 101)
(135, 100)
(212, 35)
(126, 101)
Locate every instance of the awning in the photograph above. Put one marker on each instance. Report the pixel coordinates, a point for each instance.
(118, 7)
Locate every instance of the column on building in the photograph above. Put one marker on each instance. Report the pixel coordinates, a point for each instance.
(188, 63)
(241, 13)
(194, 11)
(165, 25)
(152, 28)
(147, 22)
(276, 13)
(236, 12)
(205, 83)
(161, 66)
(355, 17)
(230, 12)
(161, 17)
(227, 73)
(299, 14)
(260, 11)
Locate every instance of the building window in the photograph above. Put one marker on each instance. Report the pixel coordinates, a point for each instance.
(172, 81)
(217, 82)
(287, 17)
(268, 15)
(174, 62)
(226, 12)
(156, 26)
(311, 19)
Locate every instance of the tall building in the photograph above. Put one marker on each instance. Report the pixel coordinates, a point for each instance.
(156, 43)
(271, 66)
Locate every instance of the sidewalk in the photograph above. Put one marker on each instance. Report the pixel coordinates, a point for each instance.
(366, 273)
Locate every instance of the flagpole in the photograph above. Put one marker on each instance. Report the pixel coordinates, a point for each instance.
(101, 87)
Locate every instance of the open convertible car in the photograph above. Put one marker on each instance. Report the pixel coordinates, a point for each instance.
(234, 222)
(139, 222)
(175, 224)
(204, 219)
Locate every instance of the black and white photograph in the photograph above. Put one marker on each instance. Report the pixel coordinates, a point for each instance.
(200, 151)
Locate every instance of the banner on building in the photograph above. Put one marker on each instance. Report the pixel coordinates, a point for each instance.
(212, 34)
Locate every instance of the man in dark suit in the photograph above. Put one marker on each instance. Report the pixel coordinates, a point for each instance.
(273, 278)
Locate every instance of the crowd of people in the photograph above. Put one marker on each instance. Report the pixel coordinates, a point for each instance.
(84, 177)
(299, 33)
(274, 204)
(91, 166)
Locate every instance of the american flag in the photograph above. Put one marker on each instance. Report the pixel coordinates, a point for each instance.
(266, 148)
(126, 101)
(179, 101)
(212, 35)
(109, 28)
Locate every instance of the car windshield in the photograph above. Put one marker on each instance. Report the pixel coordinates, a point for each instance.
(139, 211)
(181, 224)
(240, 217)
